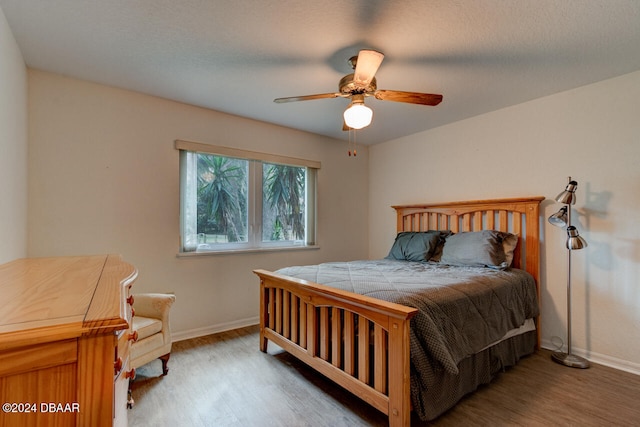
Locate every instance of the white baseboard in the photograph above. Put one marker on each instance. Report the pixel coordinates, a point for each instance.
(600, 359)
(213, 329)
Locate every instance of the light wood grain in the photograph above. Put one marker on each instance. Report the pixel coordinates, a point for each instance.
(59, 339)
(35, 357)
(55, 384)
(347, 369)
(109, 310)
(34, 286)
(96, 379)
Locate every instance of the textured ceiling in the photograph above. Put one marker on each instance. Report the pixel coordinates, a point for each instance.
(236, 56)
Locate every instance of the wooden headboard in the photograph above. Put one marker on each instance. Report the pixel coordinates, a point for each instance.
(519, 216)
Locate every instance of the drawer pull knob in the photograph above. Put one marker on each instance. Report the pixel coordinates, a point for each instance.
(130, 300)
(133, 336)
(117, 365)
(130, 374)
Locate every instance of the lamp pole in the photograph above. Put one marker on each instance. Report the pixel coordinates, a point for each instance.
(574, 241)
(568, 288)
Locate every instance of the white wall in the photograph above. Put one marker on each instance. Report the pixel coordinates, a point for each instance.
(13, 147)
(104, 179)
(592, 134)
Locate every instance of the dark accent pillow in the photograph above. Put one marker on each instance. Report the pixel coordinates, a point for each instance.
(479, 249)
(437, 253)
(509, 245)
(414, 245)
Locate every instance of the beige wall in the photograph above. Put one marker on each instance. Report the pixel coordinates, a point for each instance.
(104, 178)
(13, 147)
(591, 133)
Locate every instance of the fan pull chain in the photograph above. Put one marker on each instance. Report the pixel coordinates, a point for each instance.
(355, 142)
(352, 141)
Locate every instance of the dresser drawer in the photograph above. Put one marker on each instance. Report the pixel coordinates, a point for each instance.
(120, 389)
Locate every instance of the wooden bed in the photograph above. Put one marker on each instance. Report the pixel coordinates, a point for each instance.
(296, 314)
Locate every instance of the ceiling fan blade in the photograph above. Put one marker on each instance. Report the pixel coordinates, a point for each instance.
(409, 97)
(366, 66)
(308, 97)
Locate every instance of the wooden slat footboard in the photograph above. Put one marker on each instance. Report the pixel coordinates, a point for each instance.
(359, 342)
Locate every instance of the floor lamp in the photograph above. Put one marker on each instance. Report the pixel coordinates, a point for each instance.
(562, 219)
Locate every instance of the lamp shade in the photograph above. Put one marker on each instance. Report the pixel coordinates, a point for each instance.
(568, 196)
(560, 218)
(358, 115)
(574, 241)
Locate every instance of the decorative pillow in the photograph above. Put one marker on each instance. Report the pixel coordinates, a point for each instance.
(414, 245)
(509, 245)
(437, 253)
(487, 248)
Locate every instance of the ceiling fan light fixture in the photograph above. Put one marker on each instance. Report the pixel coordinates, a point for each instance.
(362, 83)
(357, 115)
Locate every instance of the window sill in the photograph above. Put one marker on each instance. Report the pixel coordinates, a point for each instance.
(247, 251)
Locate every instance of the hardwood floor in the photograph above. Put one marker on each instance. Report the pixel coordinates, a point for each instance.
(224, 380)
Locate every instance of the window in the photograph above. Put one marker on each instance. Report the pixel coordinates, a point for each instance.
(240, 200)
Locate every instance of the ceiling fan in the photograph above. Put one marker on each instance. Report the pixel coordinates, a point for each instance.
(361, 84)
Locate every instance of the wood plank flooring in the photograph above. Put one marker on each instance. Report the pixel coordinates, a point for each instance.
(224, 380)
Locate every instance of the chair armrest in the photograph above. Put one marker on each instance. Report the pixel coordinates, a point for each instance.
(153, 305)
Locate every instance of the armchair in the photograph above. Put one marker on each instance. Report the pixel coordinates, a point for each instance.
(151, 323)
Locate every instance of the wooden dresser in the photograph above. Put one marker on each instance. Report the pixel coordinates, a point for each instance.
(64, 341)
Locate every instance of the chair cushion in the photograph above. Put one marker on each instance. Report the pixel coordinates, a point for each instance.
(146, 326)
(148, 349)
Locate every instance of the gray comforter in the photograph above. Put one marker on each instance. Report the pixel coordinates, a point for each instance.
(462, 310)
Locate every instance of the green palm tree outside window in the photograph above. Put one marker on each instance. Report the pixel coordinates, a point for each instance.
(222, 197)
(222, 200)
(284, 192)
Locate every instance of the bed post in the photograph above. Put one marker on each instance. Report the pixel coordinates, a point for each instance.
(532, 256)
(264, 313)
(399, 374)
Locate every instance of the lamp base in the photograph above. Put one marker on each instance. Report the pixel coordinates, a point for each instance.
(570, 360)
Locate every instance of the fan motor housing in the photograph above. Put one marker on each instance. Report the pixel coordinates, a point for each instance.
(348, 87)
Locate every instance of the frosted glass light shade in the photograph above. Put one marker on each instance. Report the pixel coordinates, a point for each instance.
(358, 116)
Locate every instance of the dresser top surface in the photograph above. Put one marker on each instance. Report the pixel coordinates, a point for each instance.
(80, 292)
